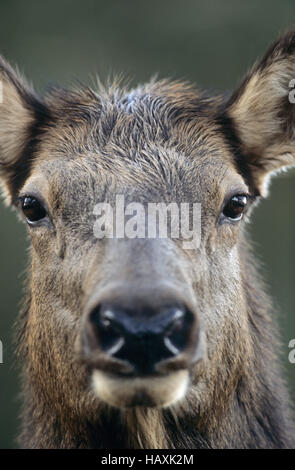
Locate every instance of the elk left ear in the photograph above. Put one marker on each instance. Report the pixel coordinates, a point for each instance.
(261, 114)
(22, 116)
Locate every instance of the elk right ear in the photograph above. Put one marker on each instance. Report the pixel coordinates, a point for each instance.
(261, 115)
(21, 114)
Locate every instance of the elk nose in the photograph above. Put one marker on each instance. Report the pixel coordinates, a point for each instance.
(141, 337)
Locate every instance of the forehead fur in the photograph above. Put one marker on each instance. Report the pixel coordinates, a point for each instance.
(115, 122)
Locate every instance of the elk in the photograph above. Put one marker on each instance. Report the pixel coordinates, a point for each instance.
(139, 342)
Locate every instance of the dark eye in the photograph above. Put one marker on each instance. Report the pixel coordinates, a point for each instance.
(32, 209)
(235, 207)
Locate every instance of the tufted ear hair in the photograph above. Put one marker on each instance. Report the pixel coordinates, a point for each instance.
(22, 115)
(261, 113)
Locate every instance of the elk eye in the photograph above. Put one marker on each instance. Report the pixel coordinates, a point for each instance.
(235, 207)
(32, 209)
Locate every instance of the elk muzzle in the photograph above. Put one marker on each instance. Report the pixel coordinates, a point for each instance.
(140, 346)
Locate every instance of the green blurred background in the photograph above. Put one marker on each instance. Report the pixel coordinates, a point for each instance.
(211, 43)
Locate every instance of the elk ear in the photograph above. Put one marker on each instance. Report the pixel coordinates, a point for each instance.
(261, 114)
(21, 113)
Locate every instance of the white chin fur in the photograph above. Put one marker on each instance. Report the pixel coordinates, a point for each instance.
(154, 391)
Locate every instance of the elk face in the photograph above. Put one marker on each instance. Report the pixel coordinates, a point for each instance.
(135, 317)
(140, 319)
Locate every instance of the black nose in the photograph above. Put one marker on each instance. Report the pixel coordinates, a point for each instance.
(142, 337)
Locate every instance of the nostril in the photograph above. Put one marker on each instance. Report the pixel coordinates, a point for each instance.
(108, 335)
(177, 335)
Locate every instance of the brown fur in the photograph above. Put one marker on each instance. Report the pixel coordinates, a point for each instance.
(160, 142)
